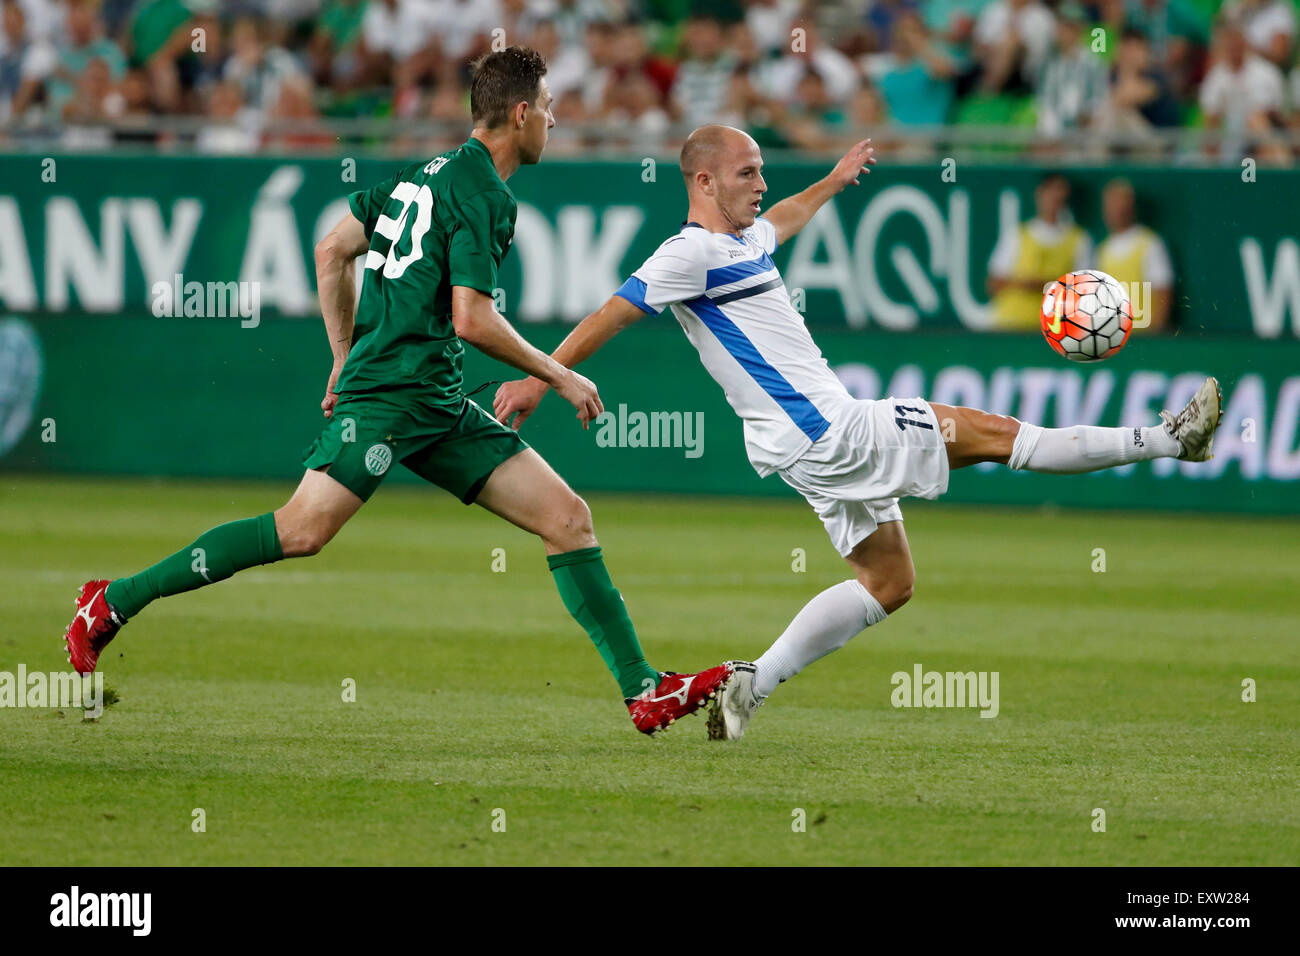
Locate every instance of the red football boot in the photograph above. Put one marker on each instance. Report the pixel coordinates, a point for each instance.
(676, 696)
(95, 624)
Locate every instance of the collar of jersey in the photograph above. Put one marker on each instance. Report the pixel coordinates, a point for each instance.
(688, 222)
(486, 153)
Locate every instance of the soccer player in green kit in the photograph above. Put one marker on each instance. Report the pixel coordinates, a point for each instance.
(433, 238)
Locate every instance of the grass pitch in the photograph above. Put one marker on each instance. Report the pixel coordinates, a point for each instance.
(479, 700)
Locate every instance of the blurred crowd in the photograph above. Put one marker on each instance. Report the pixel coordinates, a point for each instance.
(290, 74)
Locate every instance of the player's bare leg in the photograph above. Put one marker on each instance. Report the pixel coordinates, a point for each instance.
(527, 492)
(883, 576)
(310, 519)
(977, 436)
(312, 516)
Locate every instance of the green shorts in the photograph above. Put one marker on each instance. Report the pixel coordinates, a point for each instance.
(456, 447)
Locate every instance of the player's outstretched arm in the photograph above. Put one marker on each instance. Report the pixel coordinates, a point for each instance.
(337, 286)
(520, 398)
(792, 214)
(476, 321)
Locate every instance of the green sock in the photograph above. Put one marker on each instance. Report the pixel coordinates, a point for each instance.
(213, 557)
(594, 602)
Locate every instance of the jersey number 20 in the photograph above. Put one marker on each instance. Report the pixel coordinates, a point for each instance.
(392, 229)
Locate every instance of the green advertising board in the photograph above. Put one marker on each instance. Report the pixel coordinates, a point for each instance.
(908, 250)
(109, 365)
(201, 397)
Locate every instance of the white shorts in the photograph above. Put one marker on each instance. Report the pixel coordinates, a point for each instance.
(874, 453)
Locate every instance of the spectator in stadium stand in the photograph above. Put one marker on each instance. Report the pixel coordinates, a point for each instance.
(159, 35)
(566, 66)
(335, 42)
(231, 130)
(24, 63)
(1012, 39)
(631, 55)
(703, 78)
(260, 71)
(1141, 96)
(770, 21)
(812, 117)
(572, 16)
(82, 43)
(1135, 254)
(1071, 90)
(779, 79)
(44, 20)
(134, 110)
(463, 29)
(633, 110)
(883, 16)
(1242, 95)
(393, 33)
(294, 120)
(1034, 253)
(1268, 25)
(952, 21)
(1177, 32)
(600, 62)
(204, 67)
(916, 77)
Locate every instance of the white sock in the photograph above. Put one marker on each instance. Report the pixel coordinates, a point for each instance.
(826, 623)
(1080, 448)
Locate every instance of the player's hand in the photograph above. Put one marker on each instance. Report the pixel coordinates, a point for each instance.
(519, 398)
(580, 392)
(327, 403)
(856, 162)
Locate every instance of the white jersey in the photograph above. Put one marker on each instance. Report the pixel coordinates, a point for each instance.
(730, 300)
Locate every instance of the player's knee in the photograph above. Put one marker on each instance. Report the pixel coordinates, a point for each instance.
(893, 591)
(570, 526)
(300, 539)
(311, 542)
(898, 595)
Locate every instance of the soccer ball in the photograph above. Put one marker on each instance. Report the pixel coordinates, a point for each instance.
(1086, 316)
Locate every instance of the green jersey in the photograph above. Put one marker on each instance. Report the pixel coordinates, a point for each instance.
(434, 225)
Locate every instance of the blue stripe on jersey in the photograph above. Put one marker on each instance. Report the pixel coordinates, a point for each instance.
(741, 270)
(634, 291)
(801, 411)
(748, 290)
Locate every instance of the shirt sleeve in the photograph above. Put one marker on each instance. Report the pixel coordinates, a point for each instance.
(1212, 93)
(1083, 253)
(484, 226)
(368, 204)
(763, 233)
(673, 274)
(1004, 253)
(1157, 269)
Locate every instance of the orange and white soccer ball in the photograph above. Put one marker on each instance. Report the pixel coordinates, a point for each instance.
(1086, 316)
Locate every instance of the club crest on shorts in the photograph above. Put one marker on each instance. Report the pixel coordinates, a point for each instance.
(378, 458)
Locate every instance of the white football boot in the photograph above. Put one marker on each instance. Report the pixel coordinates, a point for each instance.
(1194, 426)
(732, 710)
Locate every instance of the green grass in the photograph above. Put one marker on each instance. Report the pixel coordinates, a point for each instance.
(475, 691)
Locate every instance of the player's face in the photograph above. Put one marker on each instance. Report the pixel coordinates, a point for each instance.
(740, 185)
(538, 121)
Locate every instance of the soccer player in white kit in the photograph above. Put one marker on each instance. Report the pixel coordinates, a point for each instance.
(851, 459)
